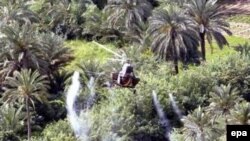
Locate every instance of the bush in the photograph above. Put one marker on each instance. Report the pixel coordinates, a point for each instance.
(127, 116)
(58, 131)
(121, 117)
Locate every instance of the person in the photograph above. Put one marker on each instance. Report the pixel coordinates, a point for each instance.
(127, 70)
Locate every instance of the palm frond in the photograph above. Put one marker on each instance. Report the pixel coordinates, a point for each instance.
(25, 84)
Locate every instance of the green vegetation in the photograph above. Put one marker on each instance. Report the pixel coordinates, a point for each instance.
(87, 51)
(178, 48)
(215, 52)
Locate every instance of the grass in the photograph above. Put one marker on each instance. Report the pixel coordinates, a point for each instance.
(218, 53)
(240, 18)
(84, 51)
(234, 41)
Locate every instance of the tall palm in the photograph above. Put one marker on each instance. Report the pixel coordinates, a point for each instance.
(25, 87)
(173, 35)
(223, 98)
(240, 114)
(128, 15)
(198, 126)
(210, 22)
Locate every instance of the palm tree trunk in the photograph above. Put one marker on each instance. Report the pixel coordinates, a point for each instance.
(203, 49)
(226, 121)
(24, 61)
(28, 118)
(176, 65)
(202, 135)
(175, 57)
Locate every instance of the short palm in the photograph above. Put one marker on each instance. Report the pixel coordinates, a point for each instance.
(240, 114)
(223, 99)
(173, 35)
(199, 126)
(10, 118)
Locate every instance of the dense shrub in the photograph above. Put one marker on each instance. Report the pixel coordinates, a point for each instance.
(126, 116)
(58, 131)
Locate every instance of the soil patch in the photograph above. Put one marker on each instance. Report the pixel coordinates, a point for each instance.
(240, 29)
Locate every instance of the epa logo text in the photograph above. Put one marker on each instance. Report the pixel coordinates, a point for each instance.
(238, 134)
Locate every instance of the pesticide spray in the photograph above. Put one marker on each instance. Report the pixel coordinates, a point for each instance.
(163, 120)
(79, 125)
(91, 98)
(175, 107)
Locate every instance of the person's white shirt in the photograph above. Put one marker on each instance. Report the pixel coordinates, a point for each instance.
(122, 73)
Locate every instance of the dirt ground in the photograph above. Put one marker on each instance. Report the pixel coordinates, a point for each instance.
(240, 29)
(241, 7)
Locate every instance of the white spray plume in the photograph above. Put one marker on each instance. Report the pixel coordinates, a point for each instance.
(72, 93)
(91, 87)
(79, 126)
(175, 107)
(164, 121)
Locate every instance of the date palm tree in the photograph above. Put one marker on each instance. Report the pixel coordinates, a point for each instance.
(128, 15)
(223, 98)
(23, 47)
(18, 11)
(20, 48)
(172, 34)
(10, 121)
(198, 126)
(240, 114)
(210, 22)
(25, 87)
(65, 17)
(54, 55)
